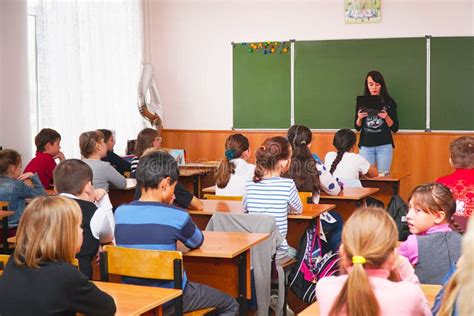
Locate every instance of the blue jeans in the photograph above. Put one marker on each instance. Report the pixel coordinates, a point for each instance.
(381, 154)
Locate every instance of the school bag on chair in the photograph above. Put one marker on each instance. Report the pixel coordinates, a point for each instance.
(311, 265)
(398, 209)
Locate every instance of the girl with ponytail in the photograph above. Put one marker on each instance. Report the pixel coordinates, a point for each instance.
(368, 255)
(345, 164)
(271, 194)
(234, 170)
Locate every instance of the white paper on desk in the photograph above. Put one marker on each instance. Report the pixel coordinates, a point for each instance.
(131, 183)
(106, 234)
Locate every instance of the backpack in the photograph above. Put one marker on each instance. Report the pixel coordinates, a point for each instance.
(398, 209)
(311, 265)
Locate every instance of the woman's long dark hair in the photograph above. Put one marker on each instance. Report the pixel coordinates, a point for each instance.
(303, 166)
(377, 77)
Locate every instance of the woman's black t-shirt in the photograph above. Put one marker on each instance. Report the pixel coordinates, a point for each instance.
(374, 129)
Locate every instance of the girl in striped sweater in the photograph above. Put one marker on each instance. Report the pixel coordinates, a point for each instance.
(269, 193)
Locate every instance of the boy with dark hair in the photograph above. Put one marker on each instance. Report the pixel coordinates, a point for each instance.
(73, 179)
(461, 181)
(152, 223)
(47, 149)
(120, 164)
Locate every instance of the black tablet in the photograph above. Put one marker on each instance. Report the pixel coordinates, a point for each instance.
(371, 104)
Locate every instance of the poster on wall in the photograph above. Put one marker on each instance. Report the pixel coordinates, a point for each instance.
(362, 11)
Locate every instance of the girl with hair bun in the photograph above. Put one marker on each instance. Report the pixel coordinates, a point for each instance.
(371, 286)
(345, 164)
(234, 170)
(271, 194)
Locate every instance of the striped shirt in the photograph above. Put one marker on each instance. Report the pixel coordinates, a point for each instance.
(274, 196)
(156, 226)
(134, 165)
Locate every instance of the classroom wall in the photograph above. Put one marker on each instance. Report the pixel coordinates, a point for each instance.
(192, 56)
(428, 158)
(14, 97)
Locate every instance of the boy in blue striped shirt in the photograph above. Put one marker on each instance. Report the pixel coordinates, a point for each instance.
(152, 223)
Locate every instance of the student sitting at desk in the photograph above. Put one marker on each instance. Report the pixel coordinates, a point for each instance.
(47, 149)
(310, 175)
(270, 194)
(152, 223)
(370, 284)
(182, 197)
(120, 164)
(234, 170)
(461, 181)
(12, 186)
(93, 149)
(345, 164)
(73, 179)
(147, 138)
(39, 278)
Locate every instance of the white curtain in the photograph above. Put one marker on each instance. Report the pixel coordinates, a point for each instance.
(89, 55)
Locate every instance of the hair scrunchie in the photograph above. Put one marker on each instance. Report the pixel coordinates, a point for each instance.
(358, 259)
(303, 142)
(229, 154)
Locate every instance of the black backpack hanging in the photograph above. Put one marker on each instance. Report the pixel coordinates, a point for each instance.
(311, 265)
(398, 209)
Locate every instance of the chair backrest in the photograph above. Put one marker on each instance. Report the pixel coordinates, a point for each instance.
(223, 197)
(305, 196)
(3, 205)
(3, 262)
(141, 263)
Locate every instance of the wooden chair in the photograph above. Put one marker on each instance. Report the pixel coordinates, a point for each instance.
(148, 264)
(3, 262)
(305, 197)
(4, 229)
(223, 197)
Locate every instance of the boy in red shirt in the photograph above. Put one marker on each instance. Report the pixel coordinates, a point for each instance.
(461, 181)
(47, 149)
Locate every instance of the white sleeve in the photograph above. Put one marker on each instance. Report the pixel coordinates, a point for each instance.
(328, 182)
(103, 222)
(362, 164)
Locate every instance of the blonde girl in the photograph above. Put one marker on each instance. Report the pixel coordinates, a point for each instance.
(234, 170)
(271, 194)
(12, 184)
(368, 254)
(93, 149)
(433, 247)
(39, 278)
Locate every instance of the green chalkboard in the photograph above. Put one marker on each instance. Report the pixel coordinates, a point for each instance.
(452, 83)
(329, 75)
(261, 87)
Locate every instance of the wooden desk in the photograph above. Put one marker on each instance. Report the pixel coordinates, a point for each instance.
(297, 224)
(388, 185)
(348, 200)
(197, 175)
(223, 262)
(136, 299)
(4, 217)
(429, 290)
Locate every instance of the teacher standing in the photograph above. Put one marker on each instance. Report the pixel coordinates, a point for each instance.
(376, 141)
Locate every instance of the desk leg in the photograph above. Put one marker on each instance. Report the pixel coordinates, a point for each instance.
(196, 187)
(396, 187)
(242, 299)
(6, 247)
